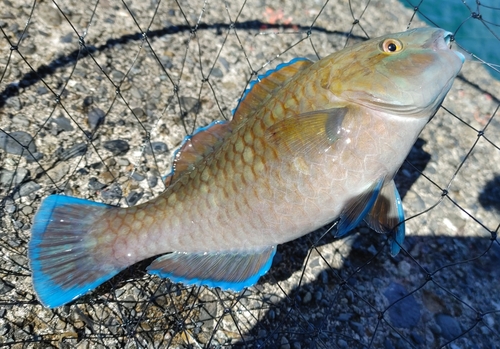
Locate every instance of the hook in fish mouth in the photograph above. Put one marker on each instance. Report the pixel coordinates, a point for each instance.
(449, 38)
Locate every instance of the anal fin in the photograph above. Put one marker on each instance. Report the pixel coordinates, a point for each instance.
(227, 270)
(387, 216)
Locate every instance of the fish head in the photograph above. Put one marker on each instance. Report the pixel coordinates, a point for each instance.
(406, 74)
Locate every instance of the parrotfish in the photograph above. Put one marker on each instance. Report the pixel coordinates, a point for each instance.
(309, 143)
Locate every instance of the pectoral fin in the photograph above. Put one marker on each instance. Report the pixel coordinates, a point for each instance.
(356, 210)
(387, 216)
(227, 270)
(309, 132)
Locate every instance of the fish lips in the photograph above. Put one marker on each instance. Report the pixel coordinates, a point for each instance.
(441, 41)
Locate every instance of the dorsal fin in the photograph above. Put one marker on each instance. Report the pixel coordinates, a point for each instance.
(196, 146)
(206, 139)
(260, 89)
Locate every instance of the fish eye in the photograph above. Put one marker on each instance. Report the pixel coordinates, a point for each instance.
(391, 45)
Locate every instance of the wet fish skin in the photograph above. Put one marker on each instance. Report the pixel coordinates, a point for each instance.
(309, 143)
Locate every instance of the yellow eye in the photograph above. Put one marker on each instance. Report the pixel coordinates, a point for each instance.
(391, 45)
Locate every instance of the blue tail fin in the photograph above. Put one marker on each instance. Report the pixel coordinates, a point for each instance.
(63, 255)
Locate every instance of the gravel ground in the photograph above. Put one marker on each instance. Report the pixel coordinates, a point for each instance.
(90, 107)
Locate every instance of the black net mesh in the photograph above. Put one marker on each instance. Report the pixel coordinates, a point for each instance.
(96, 95)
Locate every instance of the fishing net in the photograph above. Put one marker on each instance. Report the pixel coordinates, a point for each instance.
(95, 96)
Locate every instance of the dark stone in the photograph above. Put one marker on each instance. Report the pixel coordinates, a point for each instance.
(87, 101)
(418, 339)
(117, 146)
(17, 142)
(76, 150)
(94, 184)
(157, 148)
(134, 197)
(28, 188)
(95, 118)
(42, 90)
(112, 192)
(63, 124)
(152, 181)
(450, 328)
(138, 177)
(68, 38)
(216, 72)
(406, 312)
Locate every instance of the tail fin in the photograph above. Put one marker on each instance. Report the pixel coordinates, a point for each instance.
(62, 253)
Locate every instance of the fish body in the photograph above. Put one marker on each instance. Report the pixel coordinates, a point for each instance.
(308, 143)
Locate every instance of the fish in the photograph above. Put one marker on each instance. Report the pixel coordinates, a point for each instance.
(309, 143)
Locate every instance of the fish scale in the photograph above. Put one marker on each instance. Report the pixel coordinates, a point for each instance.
(309, 143)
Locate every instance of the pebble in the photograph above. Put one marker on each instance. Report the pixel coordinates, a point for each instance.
(21, 121)
(138, 112)
(224, 63)
(324, 277)
(117, 146)
(406, 312)
(136, 176)
(42, 90)
(5, 286)
(10, 208)
(23, 139)
(307, 298)
(8, 178)
(94, 184)
(136, 93)
(33, 156)
(189, 103)
(344, 317)
(117, 75)
(342, 344)
(66, 39)
(78, 149)
(134, 197)
(113, 192)
(87, 101)
(26, 189)
(156, 148)
(122, 162)
(284, 343)
(152, 181)
(217, 73)
(450, 328)
(58, 171)
(357, 327)
(14, 102)
(417, 338)
(95, 118)
(63, 123)
(27, 210)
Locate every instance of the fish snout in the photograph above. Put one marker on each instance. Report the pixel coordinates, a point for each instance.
(442, 41)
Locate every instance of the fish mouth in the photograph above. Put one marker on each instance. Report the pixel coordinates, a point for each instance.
(448, 38)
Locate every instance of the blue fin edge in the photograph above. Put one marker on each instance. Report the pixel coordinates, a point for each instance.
(252, 83)
(187, 138)
(399, 236)
(224, 285)
(344, 228)
(49, 293)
